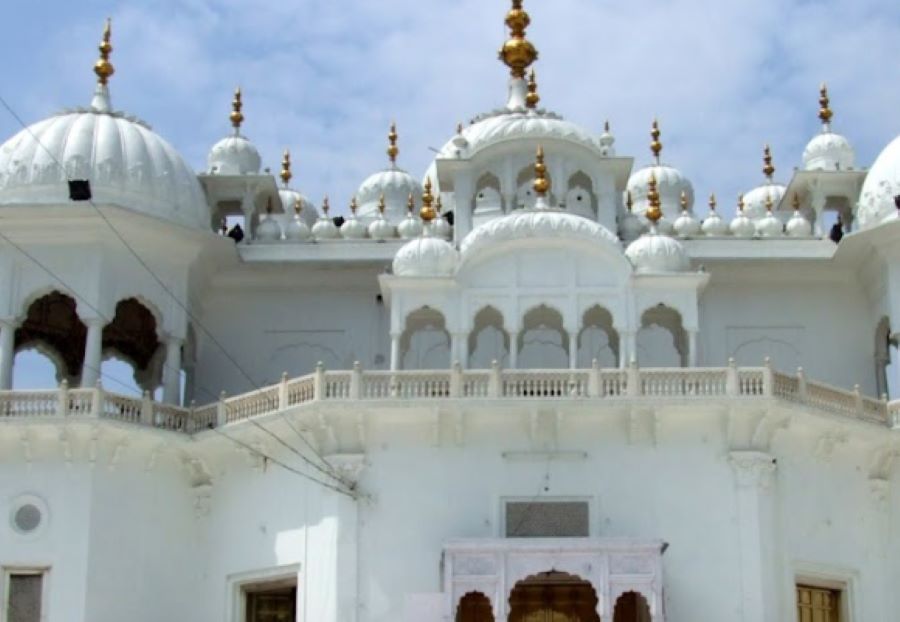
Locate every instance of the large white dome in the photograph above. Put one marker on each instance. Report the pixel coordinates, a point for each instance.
(396, 185)
(654, 252)
(126, 162)
(426, 256)
(828, 151)
(755, 201)
(670, 183)
(882, 185)
(234, 155)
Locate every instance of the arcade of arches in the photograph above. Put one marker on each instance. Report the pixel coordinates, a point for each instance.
(77, 347)
(553, 597)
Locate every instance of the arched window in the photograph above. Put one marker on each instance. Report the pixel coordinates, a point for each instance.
(425, 343)
(579, 198)
(525, 195)
(598, 339)
(53, 328)
(543, 342)
(35, 368)
(131, 339)
(631, 607)
(489, 340)
(553, 596)
(661, 341)
(488, 200)
(474, 607)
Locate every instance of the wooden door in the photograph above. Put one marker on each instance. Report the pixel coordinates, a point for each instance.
(272, 605)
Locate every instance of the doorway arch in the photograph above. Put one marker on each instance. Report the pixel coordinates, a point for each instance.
(631, 607)
(474, 607)
(553, 597)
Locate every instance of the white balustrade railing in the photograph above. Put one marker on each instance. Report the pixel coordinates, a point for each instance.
(730, 382)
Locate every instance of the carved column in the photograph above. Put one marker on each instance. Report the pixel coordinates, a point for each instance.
(93, 353)
(172, 372)
(7, 353)
(754, 473)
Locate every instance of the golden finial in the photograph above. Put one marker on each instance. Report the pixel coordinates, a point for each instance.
(712, 202)
(769, 204)
(825, 113)
(298, 206)
(381, 205)
(459, 128)
(427, 212)
(629, 200)
(410, 203)
(103, 68)
(741, 203)
(541, 183)
(683, 201)
(392, 149)
(795, 202)
(353, 206)
(236, 116)
(653, 213)
(286, 168)
(655, 145)
(325, 205)
(518, 53)
(768, 167)
(606, 126)
(532, 99)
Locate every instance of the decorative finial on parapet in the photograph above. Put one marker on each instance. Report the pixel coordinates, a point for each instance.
(712, 203)
(653, 213)
(286, 168)
(655, 144)
(683, 201)
(532, 99)
(518, 53)
(381, 205)
(393, 150)
(541, 183)
(427, 212)
(325, 205)
(629, 201)
(236, 116)
(740, 204)
(103, 68)
(768, 167)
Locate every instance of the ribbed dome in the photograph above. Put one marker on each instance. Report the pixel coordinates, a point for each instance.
(380, 229)
(268, 229)
(882, 185)
(686, 225)
(537, 223)
(755, 200)
(396, 185)
(297, 230)
(741, 226)
(234, 155)
(798, 226)
(829, 152)
(308, 211)
(426, 256)
(654, 252)
(769, 226)
(670, 184)
(127, 164)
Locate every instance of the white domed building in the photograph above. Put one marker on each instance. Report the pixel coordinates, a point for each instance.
(536, 405)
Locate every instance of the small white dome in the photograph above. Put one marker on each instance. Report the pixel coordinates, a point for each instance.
(353, 229)
(297, 230)
(670, 183)
(380, 229)
(441, 228)
(410, 227)
(877, 201)
(769, 226)
(655, 252)
(798, 226)
(741, 226)
(631, 226)
(308, 211)
(755, 200)
(268, 230)
(686, 225)
(426, 256)
(829, 152)
(714, 226)
(395, 185)
(234, 155)
(325, 229)
(607, 143)
(126, 162)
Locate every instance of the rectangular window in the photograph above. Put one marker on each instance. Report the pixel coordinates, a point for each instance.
(818, 604)
(547, 519)
(274, 601)
(24, 596)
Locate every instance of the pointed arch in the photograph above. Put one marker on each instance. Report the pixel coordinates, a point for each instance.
(53, 327)
(580, 197)
(547, 595)
(474, 607)
(632, 607)
(598, 339)
(662, 339)
(543, 342)
(133, 337)
(489, 340)
(425, 341)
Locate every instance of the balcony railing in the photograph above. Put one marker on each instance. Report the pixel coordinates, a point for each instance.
(632, 383)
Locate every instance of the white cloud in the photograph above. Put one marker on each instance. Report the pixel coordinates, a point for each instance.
(326, 77)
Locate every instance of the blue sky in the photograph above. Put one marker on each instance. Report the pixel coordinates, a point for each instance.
(326, 77)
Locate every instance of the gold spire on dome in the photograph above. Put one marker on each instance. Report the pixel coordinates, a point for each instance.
(325, 206)
(795, 202)
(103, 68)
(606, 126)
(769, 204)
(683, 201)
(427, 212)
(236, 116)
(655, 145)
(381, 205)
(768, 167)
(712, 202)
(393, 151)
(825, 113)
(532, 99)
(286, 168)
(740, 203)
(629, 201)
(459, 128)
(298, 206)
(541, 183)
(410, 203)
(518, 53)
(353, 206)
(653, 213)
